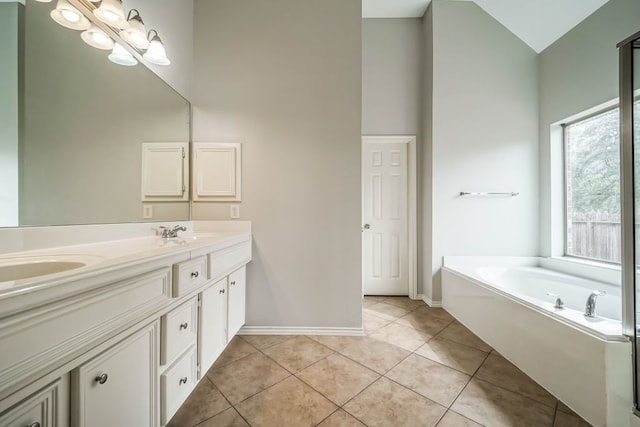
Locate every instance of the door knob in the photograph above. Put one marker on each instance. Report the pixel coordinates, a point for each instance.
(367, 226)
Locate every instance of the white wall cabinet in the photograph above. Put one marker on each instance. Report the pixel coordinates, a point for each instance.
(119, 387)
(217, 172)
(165, 171)
(237, 301)
(213, 324)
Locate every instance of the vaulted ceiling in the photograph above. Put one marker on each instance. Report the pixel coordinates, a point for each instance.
(536, 22)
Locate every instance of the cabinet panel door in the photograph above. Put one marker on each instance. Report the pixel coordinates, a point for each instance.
(119, 387)
(213, 324)
(165, 171)
(217, 171)
(237, 301)
(47, 408)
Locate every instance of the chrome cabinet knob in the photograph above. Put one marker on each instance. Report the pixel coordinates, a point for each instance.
(367, 226)
(233, 283)
(194, 274)
(101, 379)
(222, 291)
(184, 325)
(183, 380)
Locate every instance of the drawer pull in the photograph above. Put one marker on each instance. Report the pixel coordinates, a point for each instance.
(222, 291)
(195, 274)
(102, 378)
(183, 380)
(233, 283)
(184, 325)
(36, 424)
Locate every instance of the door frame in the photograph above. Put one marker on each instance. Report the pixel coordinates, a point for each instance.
(412, 201)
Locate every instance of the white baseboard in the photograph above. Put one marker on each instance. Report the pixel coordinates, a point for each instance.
(429, 302)
(295, 330)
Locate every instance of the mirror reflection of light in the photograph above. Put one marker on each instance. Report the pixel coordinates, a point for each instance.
(121, 56)
(97, 38)
(70, 15)
(100, 38)
(110, 16)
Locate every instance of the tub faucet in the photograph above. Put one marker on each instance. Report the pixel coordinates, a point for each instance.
(590, 309)
(168, 233)
(559, 303)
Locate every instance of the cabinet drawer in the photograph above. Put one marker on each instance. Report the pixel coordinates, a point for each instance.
(224, 261)
(188, 275)
(179, 330)
(176, 384)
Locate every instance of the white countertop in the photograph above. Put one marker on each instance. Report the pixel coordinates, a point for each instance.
(107, 258)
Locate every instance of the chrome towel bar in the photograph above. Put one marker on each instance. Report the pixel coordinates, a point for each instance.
(466, 193)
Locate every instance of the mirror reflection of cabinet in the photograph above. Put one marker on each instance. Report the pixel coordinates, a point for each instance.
(165, 171)
(217, 172)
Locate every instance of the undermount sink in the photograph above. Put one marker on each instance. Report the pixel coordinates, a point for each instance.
(20, 268)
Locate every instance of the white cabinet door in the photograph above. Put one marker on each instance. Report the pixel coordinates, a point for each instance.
(165, 171)
(213, 324)
(48, 407)
(237, 301)
(217, 172)
(119, 387)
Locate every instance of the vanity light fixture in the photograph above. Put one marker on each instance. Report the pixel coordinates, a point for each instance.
(120, 31)
(70, 17)
(156, 53)
(111, 13)
(136, 34)
(122, 56)
(97, 38)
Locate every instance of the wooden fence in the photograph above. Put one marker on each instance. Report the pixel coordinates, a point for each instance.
(598, 236)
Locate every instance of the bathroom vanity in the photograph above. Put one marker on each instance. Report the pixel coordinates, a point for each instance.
(124, 332)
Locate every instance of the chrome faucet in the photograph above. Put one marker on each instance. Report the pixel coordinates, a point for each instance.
(559, 303)
(590, 309)
(168, 233)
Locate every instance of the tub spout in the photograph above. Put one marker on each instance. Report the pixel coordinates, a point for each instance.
(590, 308)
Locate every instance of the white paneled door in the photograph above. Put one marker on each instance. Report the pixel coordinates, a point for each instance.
(385, 248)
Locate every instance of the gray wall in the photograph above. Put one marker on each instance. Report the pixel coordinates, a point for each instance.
(484, 138)
(10, 15)
(284, 78)
(577, 72)
(391, 76)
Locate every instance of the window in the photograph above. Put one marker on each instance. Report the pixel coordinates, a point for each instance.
(592, 179)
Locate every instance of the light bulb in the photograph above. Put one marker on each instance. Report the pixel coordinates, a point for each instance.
(70, 15)
(100, 38)
(97, 38)
(121, 56)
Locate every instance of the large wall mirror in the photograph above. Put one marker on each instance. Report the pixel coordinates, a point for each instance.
(72, 125)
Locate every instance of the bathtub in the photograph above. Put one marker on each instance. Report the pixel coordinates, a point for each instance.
(584, 362)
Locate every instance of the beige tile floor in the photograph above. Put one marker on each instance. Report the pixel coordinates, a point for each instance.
(416, 366)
